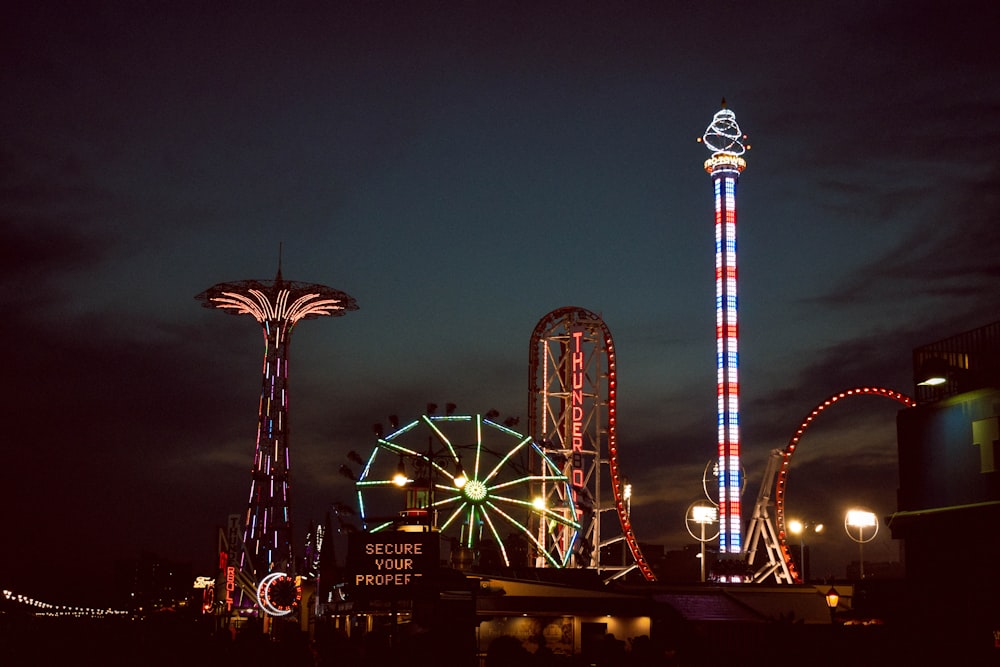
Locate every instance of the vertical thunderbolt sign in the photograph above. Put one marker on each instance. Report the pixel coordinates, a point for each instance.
(576, 409)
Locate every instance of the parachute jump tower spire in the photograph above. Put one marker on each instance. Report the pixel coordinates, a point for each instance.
(277, 305)
(726, 142)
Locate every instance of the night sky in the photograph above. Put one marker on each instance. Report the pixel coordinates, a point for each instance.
(461, 172)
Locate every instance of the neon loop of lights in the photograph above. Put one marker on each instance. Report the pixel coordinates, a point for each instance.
(266, 586)
(782, 477)
(723, 134)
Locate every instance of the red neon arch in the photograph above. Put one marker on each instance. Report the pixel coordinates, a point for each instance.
(779, 486)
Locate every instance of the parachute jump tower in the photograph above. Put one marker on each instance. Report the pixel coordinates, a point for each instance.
(726, 142)
(277, 305)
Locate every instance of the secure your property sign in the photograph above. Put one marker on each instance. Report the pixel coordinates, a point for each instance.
(382, 562)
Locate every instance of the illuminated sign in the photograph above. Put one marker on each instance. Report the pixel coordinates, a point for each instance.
(279, 594)
(576, 408)
(725, 160)
(230, 585)
(383, 562)
(229, 573)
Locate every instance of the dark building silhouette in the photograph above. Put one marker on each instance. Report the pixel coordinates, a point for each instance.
(949, 488)
(949, 484)
(149, 583)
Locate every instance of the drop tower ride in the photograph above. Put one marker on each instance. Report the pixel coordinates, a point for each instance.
(724, 138)
(277, 305)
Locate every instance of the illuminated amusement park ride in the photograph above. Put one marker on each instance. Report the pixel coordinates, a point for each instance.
(467, 477)
(724, 138)
(573, 405)
(259, 561)
(726, 141)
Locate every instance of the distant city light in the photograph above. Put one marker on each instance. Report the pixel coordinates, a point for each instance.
(39, 608)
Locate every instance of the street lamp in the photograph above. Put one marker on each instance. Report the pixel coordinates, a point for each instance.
(933, 372)
(796, 527)
(861, 519)
(703, 515)
(832, 599)
(460, 477)
(399, 478)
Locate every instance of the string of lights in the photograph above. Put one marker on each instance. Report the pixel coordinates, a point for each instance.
(40, 608)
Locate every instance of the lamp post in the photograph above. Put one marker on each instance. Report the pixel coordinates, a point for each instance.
(703, 515)
(832, 600)
(797, 527)
(861, 519)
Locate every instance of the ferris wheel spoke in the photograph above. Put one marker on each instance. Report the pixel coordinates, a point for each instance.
(503, 461)
(442, 469)
(562, 519)
(514, 503)
(496, 536)
(451, 518)
(548, 463)
(375, 482)
(513, 482)
(527, 533)
(366, 470)
(530, 478)
(380, 527)
(397, 449)
(470, 522)
(438, 432)
(446, 502)
(361, 504)
(546, 513)
(477, 460)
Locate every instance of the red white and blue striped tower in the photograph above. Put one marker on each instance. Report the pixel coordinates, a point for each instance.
(724, 139)
(277, 305)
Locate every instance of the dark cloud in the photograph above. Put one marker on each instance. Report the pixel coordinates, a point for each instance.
(949, 256)
(34, 252)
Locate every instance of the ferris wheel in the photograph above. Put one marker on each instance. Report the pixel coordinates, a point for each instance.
(467, 477)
